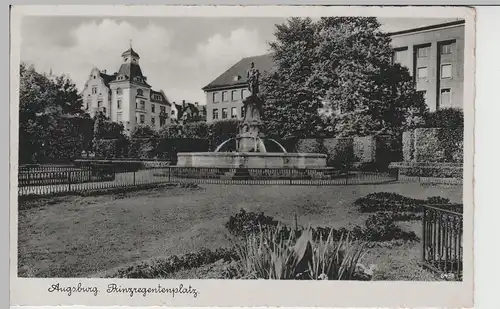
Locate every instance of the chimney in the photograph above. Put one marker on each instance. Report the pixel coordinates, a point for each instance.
(104, 71)
(183, 103)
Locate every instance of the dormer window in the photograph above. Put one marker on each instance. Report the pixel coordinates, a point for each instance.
(140, 92)
(126, 59)
(236, 78)
(119, 91)
(134, 60)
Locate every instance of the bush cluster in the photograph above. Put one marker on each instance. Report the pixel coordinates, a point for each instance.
(378, 227)
(161, 268)
(401, 206)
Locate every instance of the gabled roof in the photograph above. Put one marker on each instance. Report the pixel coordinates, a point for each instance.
(164, 99)
(129, 52)
(227, 79)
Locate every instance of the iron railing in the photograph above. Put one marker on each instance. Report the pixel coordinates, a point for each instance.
(96, 177)
(442, 241)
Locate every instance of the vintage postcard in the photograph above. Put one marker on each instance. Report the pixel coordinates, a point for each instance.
(242, 156)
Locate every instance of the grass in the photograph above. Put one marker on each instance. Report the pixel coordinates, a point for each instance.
(85, 236)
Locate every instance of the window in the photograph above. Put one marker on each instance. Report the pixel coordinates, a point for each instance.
(233, 112)
(153, 108)
(224, 96)
(446, 49)
(99, 103)
(94, 90)
(446, 70)
(119, 117)
(119, 91)
(242, 94)
(224, 113)
(153, 121)
(119, 104)
(143, 105)
(141, 117)
(215, 114)
(215, 97)
(445, 97)
(236, 78)
(398, 56)
(422, 73)
(94, 76)
(162, 109)
(88, 104)
(104, 110)
(140, 92)
(233, 95)
(172, 112)
(243, 112)
(422, 52)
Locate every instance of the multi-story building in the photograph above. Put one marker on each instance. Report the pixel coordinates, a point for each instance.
(434, 56)
(125, 96)
(226, 93)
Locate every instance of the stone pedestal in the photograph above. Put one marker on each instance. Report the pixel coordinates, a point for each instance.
(250, 129)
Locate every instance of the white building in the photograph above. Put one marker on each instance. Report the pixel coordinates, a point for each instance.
(125, 96)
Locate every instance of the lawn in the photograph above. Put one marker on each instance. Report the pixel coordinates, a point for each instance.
(86, 236)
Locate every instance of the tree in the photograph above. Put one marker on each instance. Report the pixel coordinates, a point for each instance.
(143, 131)
(345, 64)
(49, 117)
(291, 106)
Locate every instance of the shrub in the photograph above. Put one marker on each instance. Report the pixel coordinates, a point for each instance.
(244, 223)
(382, 227)
(445, 118)
(438, 144)
(143, 131)
(111, 148)
(385, 201)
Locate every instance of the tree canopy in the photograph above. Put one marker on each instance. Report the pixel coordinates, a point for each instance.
(343, 65)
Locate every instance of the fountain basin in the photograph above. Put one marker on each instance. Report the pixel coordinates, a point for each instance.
(251, 160)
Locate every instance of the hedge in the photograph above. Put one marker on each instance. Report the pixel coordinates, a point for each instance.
(433, 145)
(428, 169)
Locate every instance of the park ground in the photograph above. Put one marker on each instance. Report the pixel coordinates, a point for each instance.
(74, 236)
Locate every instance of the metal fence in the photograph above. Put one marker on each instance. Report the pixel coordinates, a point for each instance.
(42, 181)
(442, 241)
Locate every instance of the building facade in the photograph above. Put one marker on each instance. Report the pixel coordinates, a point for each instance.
(224, 95)
(434, 56)
(125, 96)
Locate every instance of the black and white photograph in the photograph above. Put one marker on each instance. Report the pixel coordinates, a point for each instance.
(173, 148)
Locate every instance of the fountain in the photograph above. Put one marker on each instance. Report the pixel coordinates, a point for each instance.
(250, 149)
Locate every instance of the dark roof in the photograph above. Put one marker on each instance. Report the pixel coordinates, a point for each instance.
(431, 27)
(164, 99)
(263, 63)
(130, 71)
(107, 78)
(129, 52)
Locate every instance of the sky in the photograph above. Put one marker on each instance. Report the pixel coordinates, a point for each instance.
(179, 55)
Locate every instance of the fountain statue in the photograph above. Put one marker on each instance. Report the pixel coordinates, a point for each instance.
(250, 148)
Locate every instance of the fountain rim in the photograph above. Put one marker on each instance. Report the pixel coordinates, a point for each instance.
(255, 154)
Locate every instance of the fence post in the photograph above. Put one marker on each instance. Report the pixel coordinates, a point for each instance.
(169, 168)
(69, 181)
(347, 177)
(134, 177)
(424, 222)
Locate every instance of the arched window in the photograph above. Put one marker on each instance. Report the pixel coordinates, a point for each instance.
(140, 92)
(119, 91)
